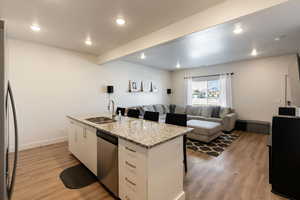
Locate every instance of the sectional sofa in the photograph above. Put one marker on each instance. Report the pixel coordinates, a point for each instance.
(223, 115)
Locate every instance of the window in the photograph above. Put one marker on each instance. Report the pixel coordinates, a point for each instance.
(206, 92)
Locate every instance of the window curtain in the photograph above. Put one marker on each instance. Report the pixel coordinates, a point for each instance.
(226, 90)
(188, 91)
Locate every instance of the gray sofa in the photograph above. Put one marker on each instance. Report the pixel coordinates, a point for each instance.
(225, 116)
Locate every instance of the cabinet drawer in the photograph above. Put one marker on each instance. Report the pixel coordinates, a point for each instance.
(132, 161)
(131, 151)
(129, 187)
(130, 166)
(132, 171)
(130, 183)
(135, 186)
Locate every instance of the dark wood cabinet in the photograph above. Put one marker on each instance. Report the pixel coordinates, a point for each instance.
(270, 158)
(285, 156)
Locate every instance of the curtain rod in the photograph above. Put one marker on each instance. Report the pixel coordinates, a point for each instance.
(187, 77)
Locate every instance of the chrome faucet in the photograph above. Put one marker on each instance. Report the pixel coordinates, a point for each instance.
(113, 115)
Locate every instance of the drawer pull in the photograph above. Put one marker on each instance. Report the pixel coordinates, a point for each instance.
(129, 149)
(129, 181)
(130, 165)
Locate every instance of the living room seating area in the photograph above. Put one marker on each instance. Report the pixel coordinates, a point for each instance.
(208, 121)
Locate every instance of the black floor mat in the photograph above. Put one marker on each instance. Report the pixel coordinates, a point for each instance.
(77, 177)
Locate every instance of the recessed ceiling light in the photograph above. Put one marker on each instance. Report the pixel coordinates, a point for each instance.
(35, 27)
(88, 42)
(143, 56)
(178, 65)
(254, 52)
(120, 21)
(238, 29)
(277, 39)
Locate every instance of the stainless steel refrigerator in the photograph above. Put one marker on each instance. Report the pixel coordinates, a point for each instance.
(8, 162)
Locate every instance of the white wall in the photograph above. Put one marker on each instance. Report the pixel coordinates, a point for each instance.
(258, 85)
(294, 81)
(50, 83)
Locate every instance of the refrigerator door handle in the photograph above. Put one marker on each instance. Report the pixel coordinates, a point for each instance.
(10, 95)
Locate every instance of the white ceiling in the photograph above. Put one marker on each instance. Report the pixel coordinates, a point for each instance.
(67, 23)
(219, 45)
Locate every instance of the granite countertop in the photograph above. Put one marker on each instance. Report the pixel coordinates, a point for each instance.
(142, 132)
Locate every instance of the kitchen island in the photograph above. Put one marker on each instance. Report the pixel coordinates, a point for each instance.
(150, 155)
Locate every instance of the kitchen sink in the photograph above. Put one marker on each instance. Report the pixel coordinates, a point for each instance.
(100, 120)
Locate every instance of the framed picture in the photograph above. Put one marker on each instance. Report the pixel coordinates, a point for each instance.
(146, 86)
(135, 86)
(154, 87)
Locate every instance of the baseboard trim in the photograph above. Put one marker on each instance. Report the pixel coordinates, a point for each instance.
(40, 143)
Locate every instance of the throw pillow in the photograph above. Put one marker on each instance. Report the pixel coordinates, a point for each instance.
(166, 108)
(172, 108)
(193, 110)
(140, 108)
(224, 111)
(159, 108)
(206, 111)
(180, 109)
(216, 112)
(149, 108)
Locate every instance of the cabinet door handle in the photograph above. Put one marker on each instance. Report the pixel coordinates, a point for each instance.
(129, 149)
(129, 181)
(84, 133)
(130, 165)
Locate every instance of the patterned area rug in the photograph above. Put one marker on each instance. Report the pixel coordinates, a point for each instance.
(215, 147)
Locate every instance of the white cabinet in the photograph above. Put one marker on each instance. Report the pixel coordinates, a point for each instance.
(132, 171)
(144, 173)
(83, 144)
(89, 149)
(151, 174)
(73, 139)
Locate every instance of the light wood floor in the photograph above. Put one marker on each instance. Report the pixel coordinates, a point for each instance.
(239, 173)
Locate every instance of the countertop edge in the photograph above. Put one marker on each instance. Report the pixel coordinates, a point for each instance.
(124, 138)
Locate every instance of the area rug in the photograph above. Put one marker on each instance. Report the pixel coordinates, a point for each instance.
(215, 147)
(77, 177)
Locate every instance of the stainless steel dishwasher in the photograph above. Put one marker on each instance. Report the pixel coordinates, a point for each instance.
(107, 159)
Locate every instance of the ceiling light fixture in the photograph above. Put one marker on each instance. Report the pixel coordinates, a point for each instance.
(254, 52)
(120, 21)
(277, 39)
(143, 56)
(35, 27)
(238, 29)
(88, 42)
(178, 65)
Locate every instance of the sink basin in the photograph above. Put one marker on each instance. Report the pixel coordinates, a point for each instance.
(100, 120)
